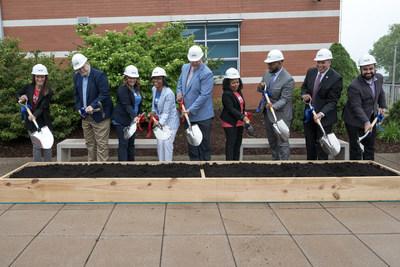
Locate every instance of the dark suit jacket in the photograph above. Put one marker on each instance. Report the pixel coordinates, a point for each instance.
(361, 105)
(123, 112)
(97, 91)
(42, 109)
(328, 95)
(231, 108)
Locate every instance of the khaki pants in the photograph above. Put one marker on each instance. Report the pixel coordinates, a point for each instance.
(96, 138)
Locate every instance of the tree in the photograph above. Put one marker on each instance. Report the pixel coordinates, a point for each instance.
(383, 51)
(139, 45)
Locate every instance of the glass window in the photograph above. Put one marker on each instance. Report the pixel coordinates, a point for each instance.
(222, 32)
(221, 40)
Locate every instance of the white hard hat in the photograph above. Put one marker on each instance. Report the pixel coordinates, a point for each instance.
(232, 73)
(323, 54)
(39, 69)
(195, 53)
(273, 56)
(158, 72)
(366, 60)
(78, 60)
(131, 71)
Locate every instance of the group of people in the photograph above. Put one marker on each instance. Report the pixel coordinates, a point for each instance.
(320, 92)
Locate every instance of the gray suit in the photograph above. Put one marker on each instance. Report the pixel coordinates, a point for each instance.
(281, 98)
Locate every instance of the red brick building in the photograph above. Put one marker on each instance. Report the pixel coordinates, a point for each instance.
(239, 31)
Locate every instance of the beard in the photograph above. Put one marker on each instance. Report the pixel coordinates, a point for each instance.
(368, 76)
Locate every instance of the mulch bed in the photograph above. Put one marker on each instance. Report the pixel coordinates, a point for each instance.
(23, 148)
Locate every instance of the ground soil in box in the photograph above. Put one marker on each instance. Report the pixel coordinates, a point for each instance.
(114, 170)
(340, 169)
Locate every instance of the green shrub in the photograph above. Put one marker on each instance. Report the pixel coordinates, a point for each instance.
(391, 132)
(394, 112)
(15, 72)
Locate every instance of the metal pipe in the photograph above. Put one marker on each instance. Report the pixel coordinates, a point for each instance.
(393, 94)
(1, 24)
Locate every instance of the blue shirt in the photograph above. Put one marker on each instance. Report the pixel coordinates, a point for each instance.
(138, 99)
(84, 90)
(156, 99)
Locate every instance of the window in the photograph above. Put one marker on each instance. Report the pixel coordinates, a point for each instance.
(221, 40)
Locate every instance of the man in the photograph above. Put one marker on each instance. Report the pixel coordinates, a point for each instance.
(279, 85)
(93, 102)
(195, 88)
(366, 99)
(322, 86)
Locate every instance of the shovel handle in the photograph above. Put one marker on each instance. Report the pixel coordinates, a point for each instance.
(367, 132)
(269, 102)
(186, 116)
(29, 113)
(318, 121)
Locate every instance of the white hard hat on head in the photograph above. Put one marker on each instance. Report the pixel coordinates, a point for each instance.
(323, 54)
(158, 72)
(273, 56)
(131, 71)
(232, 73)
(78, 60)
(366, 60)
(39, 69)
(195, 53)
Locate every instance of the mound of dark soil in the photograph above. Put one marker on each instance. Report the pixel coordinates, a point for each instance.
(339, 169)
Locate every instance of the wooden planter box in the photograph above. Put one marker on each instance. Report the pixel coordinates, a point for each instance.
(200, 188)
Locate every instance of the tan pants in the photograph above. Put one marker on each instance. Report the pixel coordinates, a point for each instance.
(96, 138)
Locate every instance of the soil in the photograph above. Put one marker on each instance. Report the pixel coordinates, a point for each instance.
(339, 169)
(113, 170)
(175, 170)
(23, 148)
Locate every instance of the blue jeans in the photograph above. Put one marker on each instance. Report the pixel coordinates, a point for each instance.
(126, 147)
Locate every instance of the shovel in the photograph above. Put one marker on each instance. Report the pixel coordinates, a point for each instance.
(280, 127)
(194, 135)
(366, 134)
(329, 143)
(161, 132)
(130, 130)
(42, 136)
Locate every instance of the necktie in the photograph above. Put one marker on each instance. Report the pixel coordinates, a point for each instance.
(316, 87)
(189, 77)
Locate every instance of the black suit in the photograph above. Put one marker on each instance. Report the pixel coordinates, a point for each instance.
(41, 110)
(231, 113)
(325, 101)
(361, 107)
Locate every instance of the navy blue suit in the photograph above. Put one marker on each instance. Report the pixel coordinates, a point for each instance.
(97, 91)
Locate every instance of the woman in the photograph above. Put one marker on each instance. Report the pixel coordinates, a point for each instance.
(163, 105)
(37, 96)
(129, 105)
(233, 113)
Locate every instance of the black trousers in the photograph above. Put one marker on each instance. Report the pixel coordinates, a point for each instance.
(313, 134)
(126, 148)
(234, 136)
(368, 142)
(203, 151)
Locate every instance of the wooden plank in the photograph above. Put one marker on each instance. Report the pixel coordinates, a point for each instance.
(201, 189)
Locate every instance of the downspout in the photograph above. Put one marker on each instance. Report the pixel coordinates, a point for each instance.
(1, 25)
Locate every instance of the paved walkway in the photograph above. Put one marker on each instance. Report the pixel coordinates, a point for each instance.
(210, 234)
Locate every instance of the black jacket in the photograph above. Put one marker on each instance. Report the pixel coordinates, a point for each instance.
(328, 95)
(123, 112)
(361, 105)
(42, 109)
(231, 108)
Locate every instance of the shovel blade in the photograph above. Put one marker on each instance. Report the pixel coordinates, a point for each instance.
(44, 138)
(162, 134)
(330, 144)
(194, 135)
(130, 131)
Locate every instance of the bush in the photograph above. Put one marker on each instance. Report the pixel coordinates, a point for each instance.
(113, 51)
(15, 72)
(391, 132)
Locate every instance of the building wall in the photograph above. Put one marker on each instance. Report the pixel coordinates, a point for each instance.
(298, 27)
